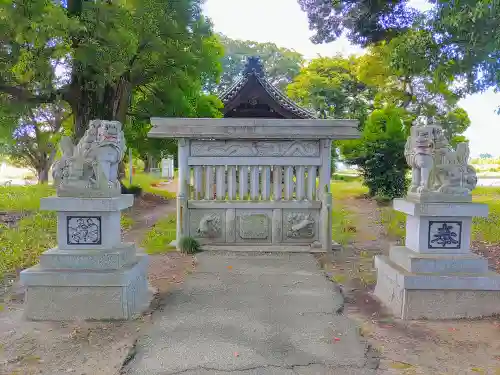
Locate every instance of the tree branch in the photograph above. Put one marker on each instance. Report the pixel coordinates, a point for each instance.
(24, 95)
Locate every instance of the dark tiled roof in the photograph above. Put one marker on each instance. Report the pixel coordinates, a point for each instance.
(253, 67)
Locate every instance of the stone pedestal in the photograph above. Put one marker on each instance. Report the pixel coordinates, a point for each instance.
(435, 275)
(91, 274)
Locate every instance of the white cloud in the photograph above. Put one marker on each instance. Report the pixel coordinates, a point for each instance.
(283, 23)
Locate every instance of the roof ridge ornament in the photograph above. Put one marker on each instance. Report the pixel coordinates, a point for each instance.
(254, 65)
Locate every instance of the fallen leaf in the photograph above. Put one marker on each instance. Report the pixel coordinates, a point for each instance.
(400, 365)
(229, 267)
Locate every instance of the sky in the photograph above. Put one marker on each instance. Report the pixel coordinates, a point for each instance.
(282, 22)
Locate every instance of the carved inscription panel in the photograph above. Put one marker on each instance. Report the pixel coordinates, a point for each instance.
(445, 234)
(83, 230)
(255, 148)
(253, 226)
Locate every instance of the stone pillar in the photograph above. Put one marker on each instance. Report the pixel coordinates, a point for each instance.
(167, 168)
(326, 222)
(325, 174)
(183, 190)
(435, 275)
(91, 274)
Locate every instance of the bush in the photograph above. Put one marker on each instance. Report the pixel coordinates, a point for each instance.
(133, 189)
(189, 245)
(380, 154)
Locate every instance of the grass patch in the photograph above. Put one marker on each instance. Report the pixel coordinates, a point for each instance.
(344, 189)
(342, 224)
(21, 246)
(394, 223)
(487, 228)
(147, 182)
(23, 198)
(126, 222)
(157, 239)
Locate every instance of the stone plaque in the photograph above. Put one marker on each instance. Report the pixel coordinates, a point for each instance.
(445, 234)
(84, 230)
(254, 227)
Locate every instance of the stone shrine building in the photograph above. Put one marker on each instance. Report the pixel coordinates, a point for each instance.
(259, 177)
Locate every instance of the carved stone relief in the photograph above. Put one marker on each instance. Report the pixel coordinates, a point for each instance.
(207, 224)
(255, 148)
(299, 225)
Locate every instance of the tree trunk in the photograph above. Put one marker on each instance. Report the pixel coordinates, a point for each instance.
(43, 174)
(147, 164)
(109, 103)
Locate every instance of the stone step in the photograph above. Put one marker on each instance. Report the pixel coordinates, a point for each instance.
(415, 262)
(436, 281)
(113, 259)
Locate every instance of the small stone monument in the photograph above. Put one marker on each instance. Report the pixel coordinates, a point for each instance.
(435, 275)
(91, 274)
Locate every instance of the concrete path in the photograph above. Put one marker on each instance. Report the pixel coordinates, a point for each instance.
(252, 314)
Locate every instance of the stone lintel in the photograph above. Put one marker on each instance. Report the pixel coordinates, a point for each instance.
(442, 209)
(229, 204)
(436, 281)
(37, 276)
(71, 204)
(415, 262)
(253, 128)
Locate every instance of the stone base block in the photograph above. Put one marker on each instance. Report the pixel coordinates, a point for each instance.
(112, 259)
(415, 262)
(86, 295)
(433, 296)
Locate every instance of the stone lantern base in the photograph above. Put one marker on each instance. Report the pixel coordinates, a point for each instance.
(435, 275)
(91, 274)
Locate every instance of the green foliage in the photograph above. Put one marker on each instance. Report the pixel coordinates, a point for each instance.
(281, 64)
(457, 40)
(34, 141)
(136, 190)
(381, 154)
(189, 245)
(157, 240)
(111, 51)
(330, 87)
(365, 21)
